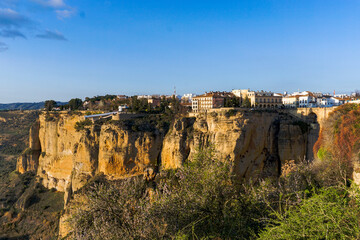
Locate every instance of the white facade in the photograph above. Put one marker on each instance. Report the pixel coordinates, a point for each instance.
(307, 101)
(337, 101)
(324, 102)
(291, 101)
(187, 97)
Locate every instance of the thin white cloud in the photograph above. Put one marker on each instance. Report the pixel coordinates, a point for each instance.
(61, 9)
(52, 35)
(62, 14)
(51, 3)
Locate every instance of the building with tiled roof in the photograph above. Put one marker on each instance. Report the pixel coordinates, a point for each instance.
(209, 100)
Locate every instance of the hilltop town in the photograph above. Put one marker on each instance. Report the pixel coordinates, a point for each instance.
(241, 98)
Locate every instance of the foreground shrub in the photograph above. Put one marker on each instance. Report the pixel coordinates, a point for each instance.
(203, 201)
(330, 214)
(111, 211)
(199, 200)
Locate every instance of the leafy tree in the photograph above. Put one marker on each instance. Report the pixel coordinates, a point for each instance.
(246, 103)
(49, 105)
(163, 104)
(232, 102)
(175, 104)
(75, 103)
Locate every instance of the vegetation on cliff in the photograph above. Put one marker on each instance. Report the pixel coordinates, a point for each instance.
(339, 140)
(81, 125)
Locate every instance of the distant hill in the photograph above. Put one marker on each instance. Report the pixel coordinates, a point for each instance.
(25, 106)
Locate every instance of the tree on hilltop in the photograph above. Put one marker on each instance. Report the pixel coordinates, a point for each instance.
(49, 105)
(75, 103)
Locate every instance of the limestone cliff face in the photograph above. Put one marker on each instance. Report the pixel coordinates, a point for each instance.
(29, 160)
(257, 142)
(123, 152)
(66, 159)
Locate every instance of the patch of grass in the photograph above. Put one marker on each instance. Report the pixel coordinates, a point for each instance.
(323, 154)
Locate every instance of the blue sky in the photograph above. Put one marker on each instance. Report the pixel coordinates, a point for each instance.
(60, 49)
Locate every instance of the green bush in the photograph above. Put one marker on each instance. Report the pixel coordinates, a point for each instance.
(330, 214)
(82, 124)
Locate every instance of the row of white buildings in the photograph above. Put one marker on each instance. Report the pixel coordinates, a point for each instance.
(265, 99)
(308, 99)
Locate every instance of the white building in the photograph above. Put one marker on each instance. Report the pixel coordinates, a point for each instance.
(291, 101)
(324, 102)
(186, 98)
(307, 100)
(337, 101)
(123, 107)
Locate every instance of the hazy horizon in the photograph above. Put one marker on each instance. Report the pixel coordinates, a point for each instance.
(62, 49)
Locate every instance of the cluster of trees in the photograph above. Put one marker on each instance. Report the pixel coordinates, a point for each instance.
(73, 104)
(237, 102)
(111, 103)
(101, 98)
(246, 103)
(232, 102)
(167, 105)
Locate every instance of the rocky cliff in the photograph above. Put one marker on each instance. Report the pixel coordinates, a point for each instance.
(257, 141)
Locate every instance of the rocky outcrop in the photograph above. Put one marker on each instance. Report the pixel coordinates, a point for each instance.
(29, 159)
(256, 141)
